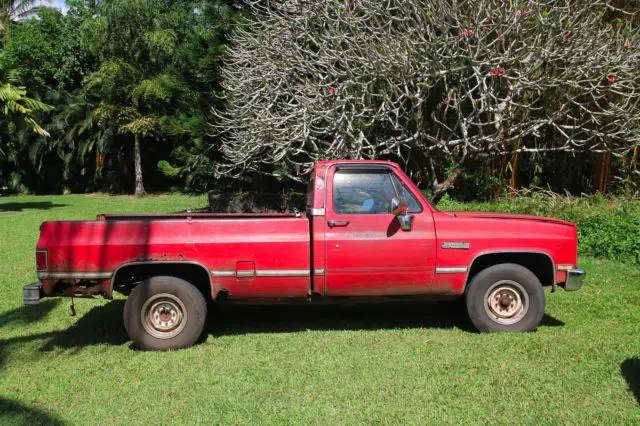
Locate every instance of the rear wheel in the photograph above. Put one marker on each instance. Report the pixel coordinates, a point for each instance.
(165, 313)
(505, 297)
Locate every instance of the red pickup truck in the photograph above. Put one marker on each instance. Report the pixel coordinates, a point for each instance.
(367, 231)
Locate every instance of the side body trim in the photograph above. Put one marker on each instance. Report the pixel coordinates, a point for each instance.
(216, 273)
(451, 270)
(283, 273)
(263, 273)
(44, 275)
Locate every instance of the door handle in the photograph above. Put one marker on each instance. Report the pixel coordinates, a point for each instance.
(336, 223)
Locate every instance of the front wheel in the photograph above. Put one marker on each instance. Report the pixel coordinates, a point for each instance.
(165, 313)
(505, 297)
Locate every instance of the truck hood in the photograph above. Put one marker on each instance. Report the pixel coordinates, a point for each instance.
(503, 216)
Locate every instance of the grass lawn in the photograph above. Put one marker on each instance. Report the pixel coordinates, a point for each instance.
(399, 363)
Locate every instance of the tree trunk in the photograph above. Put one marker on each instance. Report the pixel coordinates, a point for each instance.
(138, 165)
(445, 186)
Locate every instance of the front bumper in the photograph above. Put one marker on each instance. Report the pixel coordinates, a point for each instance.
(32, 293)
(575, 277)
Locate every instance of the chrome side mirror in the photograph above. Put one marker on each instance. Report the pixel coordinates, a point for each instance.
(406, 221)
(399, 208)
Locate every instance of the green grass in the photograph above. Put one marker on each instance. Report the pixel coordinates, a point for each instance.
(399, 363)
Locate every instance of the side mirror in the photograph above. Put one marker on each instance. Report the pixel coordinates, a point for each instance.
(399, 208)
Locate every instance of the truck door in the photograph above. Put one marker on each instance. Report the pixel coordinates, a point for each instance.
(367, 253)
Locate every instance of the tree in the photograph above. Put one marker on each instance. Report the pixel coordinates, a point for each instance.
(17, 111)
(10, 10)
(151, 86)
(15, 106)
(135, 43)
(124, 78)
(47, 60)
(405, 80)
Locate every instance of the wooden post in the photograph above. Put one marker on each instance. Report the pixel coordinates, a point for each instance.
(513, 185)
(605, 167)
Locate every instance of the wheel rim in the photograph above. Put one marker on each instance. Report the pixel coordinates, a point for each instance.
(506, 302)
(163, 316)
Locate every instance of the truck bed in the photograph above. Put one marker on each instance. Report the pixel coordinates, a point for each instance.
(260, 246)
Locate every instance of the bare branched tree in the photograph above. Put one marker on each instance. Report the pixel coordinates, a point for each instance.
(319, 79)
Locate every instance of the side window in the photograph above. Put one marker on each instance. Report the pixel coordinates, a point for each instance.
(362, 192)
(412, 203)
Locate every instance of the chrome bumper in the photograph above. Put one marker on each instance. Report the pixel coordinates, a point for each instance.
(31, 293)
(575, 277)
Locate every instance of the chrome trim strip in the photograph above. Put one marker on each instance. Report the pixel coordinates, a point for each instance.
(317, 212)
(451, 270)
(458, 245)
(44, 275)
(282, 273)
(224, 273)
(319, 271)
(264, 273)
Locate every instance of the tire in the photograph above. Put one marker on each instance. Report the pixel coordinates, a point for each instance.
(164, 313)
(505, 297)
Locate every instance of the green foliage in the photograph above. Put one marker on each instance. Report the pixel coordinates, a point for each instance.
(15, 106)
(11, 10)
(607, 227)
(113, 70)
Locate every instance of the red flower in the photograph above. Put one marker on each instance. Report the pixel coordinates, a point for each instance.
(467, 32)
(332, 90)
(500, 37)
(570, 37)
(497, 71)
(521, 12)
(628, 43)
(611, 79)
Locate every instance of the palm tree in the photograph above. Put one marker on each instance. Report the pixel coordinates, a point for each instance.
(16, 108)
(10, 10)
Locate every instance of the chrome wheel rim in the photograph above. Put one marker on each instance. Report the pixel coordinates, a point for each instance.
(506, 302)
(163, 316)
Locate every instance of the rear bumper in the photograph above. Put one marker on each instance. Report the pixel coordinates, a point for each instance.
(575, 277)
(32, 293)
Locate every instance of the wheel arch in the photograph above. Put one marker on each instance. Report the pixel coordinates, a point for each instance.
(127, 275)
(540, 263)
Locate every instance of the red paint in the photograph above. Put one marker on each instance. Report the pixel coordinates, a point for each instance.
(267, 256)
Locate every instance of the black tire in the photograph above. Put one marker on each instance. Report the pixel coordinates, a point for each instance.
(175, 312)
(505, 297)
